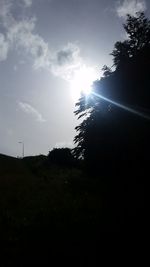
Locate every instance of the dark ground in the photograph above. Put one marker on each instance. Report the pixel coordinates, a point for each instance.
(40, 204)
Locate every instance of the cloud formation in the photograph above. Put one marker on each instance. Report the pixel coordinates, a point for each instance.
(19, 33)
(27, 108)
(27, 3)
(4, 47)
(21, 36)
(66, 61)
(130, 7)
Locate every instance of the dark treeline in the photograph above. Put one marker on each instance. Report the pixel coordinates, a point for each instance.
(114, 139)
(62, 157)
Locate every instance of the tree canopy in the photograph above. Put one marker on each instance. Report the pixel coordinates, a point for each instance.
(114, 131)
(61, 156)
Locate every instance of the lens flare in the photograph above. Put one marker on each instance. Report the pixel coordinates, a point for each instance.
(133, 111)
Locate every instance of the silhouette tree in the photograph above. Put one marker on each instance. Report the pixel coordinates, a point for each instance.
(113, 138)
(61, 157)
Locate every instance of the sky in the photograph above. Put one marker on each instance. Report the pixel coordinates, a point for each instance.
(49, 49)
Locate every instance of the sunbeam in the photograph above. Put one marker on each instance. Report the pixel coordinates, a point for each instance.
(136, 112)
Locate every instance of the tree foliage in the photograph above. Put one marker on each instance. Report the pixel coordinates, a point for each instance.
(110, 136)
(61, 157)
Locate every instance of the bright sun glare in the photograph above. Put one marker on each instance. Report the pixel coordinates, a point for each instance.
(82, 81)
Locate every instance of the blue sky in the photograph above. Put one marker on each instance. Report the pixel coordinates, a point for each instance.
(44, 44)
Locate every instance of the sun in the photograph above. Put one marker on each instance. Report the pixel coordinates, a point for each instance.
(82, 81)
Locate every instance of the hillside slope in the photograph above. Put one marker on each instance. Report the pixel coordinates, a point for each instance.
(38, 200)
(48, 201)
(17, 195)
(12, 168)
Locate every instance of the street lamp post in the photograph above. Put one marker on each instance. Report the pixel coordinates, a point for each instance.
(22, 148)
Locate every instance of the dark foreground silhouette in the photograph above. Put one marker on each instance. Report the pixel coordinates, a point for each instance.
(44, 205)
(99, 186)
(40, 201)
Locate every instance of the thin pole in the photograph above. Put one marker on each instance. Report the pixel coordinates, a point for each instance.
(23, 151)
(22, 148)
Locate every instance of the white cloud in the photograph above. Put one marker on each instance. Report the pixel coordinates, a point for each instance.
(27, 108)
(5, 13)
(66, 61)
(130, 7)
(4, 47)
(27, 3)
(20, 34)
(5, 7)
